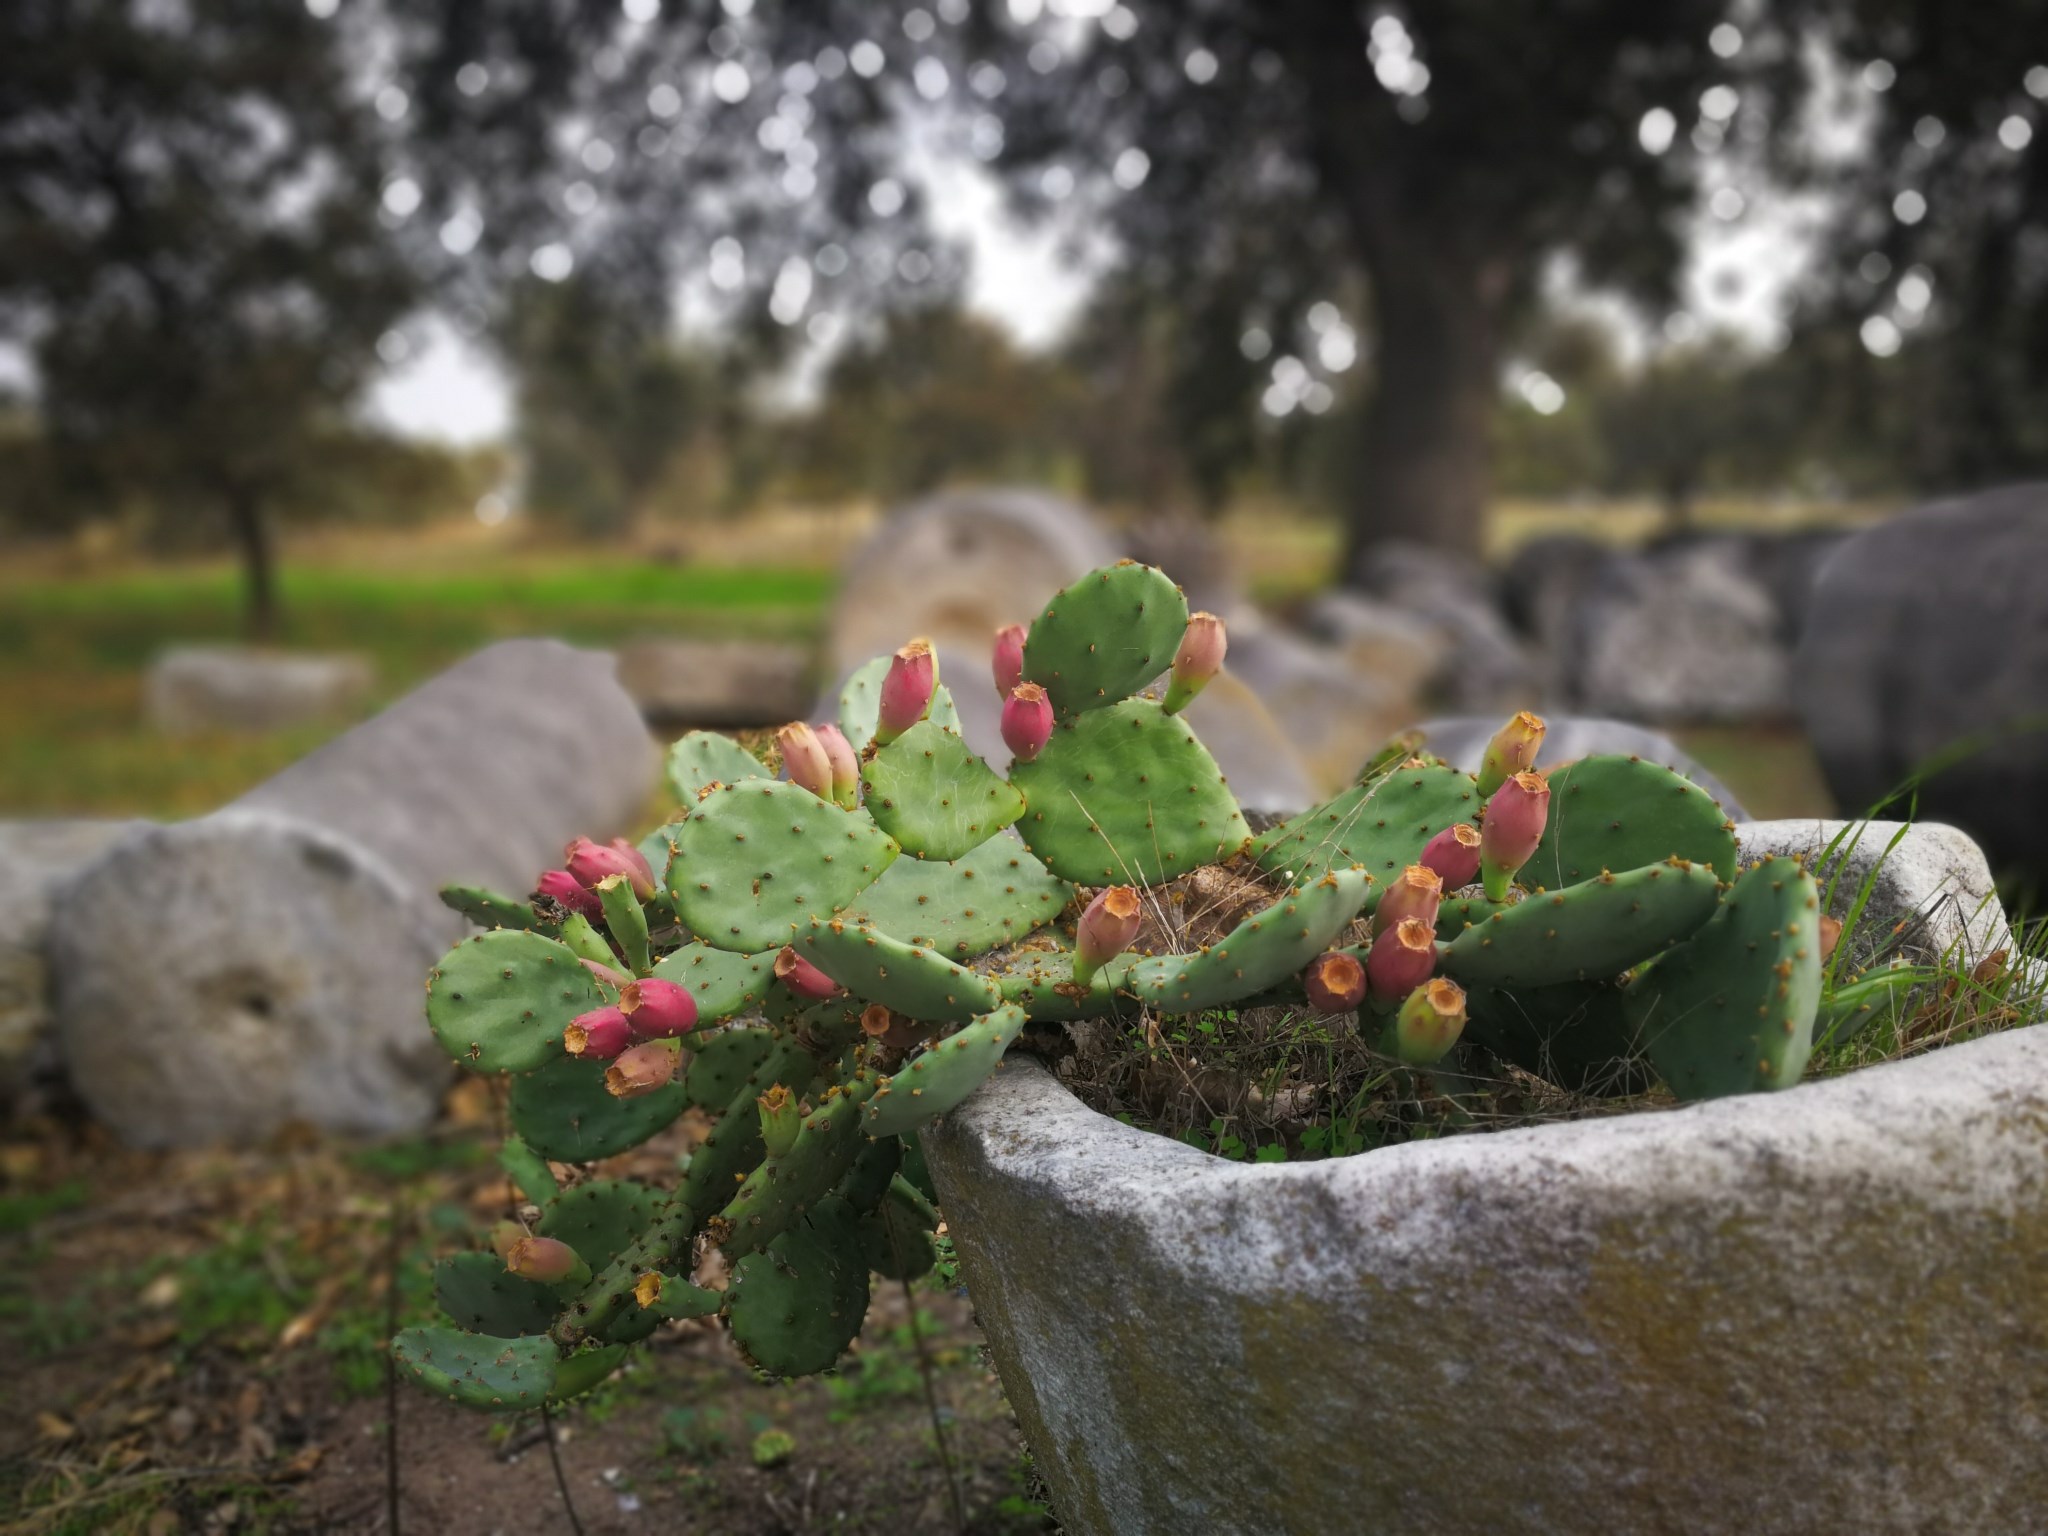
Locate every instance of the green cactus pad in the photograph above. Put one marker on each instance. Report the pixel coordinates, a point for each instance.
(796, 1306)
(601, 1219)
(1731, 1010)
(479, 1294)
(897, 1235)
(994, 895)
(909, 978)
(732, 1149)
(1126, 795)
(705, 757)
(1258, 954)
(935, 797)
(860, 704)
(782, 1189)
(583, 1370)
(1041, 982)
(487, 909)
(1578, 1035)
(1618, 813)
(1592, 931)
(499, 1002)
(755, 862)
(529, 1170)
(721, 981)
(681, 1299)
(1383, 825)
(564, 1112)
(722, 1062)
(477, 1370)
(944, 1074)
(874, 1165)
(1103, 638)
(1459, 913)
(916, 1172)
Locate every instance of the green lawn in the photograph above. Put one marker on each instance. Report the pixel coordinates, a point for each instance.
(73, 650)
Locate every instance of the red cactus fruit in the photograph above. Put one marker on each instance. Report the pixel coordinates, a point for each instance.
(1400, 960)
(1027, 721)
(1335, 982)
(658, 1009)
(598, 1035)
(1454, 854)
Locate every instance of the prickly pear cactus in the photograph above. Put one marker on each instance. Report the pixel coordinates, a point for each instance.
(823, 964)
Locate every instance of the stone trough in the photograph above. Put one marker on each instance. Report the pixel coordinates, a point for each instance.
(1817, 1310)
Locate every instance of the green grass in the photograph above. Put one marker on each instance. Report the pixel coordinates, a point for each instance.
(73, 652)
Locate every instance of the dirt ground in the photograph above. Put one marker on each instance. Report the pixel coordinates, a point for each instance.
(194, 1343)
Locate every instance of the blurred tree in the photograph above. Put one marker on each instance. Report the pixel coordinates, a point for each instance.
(605, 405)
(1445, 151)
(1939, 243)
(190, 246)
(934, 395)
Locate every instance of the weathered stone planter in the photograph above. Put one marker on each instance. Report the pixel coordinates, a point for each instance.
(1821, 1310)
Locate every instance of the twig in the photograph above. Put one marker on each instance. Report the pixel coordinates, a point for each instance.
(931, 1401)
(391, 1258)
(547, 1422)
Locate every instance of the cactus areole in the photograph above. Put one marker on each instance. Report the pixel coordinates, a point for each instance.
(820, 967)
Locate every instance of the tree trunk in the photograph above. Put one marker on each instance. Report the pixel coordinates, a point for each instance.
(1425, 471)
(259, 562)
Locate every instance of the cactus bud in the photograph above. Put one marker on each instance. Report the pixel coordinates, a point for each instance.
(590, 862)
(642, 1069)
(1009, 663)
(876, 1020)
(1415, 892)
(1513, 750)
(598, 1035)
(658, 1009)
(546, 1259)
(907, 690)
(805, 760)
(563, 888)
(641, 875)
(802, 978)
(1454, 854)
(1106, 930)
(1429, 1022)
(1512, 829)
(781, 1119)
(1335, 982)
(1027, 721)
(845, 765)
(647, 1289)
(1400, 960)
(1199, 658)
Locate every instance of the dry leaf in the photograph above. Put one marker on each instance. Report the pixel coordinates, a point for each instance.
(53, 1426)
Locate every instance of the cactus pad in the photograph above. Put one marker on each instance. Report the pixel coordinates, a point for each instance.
(908, 977)
(782, 1189)
(1126, 795)
(600, 1219)
(1383, 825)
(1461, 912)
(1592, 931)
(944, 1074)
(867, 1181)
(795, 1306)
(1105, 637)
(499, 1002)
(476, 1369)
(722, 1062)
(720, 981)
(1731, 1010)
(487, 909)
(1041, 982)
(935, 797)
(1623, 813)
(755, 862)
(563, 1111)
(529, 1170)
(1258, 954)
(585, 1369)
(860, 704)
(995, 895)
(897, 1234)
(477, 1292)
(705, 757)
